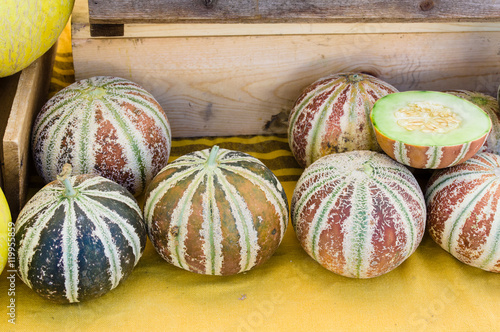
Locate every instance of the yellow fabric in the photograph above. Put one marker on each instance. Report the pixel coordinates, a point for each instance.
(431, 291)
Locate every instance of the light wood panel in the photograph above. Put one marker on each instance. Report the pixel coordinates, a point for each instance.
(247, 84)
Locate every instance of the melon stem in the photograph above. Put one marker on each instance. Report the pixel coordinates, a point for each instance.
(64, 178)
(212, 157)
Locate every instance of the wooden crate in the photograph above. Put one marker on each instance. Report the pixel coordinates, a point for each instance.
(21, 97)
(236, 67)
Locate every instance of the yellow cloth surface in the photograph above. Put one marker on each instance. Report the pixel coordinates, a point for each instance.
(430, 291)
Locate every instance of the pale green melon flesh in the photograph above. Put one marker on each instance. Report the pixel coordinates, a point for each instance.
(472, 124)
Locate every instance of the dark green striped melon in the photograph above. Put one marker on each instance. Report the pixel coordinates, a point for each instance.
(103, 125)
(217, 212)
(78, 238)
(359, 214)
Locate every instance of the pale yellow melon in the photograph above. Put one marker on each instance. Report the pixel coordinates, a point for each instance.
(28, 28)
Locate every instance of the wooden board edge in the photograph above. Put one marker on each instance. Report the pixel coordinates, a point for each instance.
(32, 89)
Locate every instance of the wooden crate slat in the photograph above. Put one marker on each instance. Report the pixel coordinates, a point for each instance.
(247, 84)
(161, 11)
(30, 94)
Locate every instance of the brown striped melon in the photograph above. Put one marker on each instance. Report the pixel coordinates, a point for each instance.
(216, 212)
(463, 205)
(103, 125)
(428, 129)
(359, 214)
(490, 105)
(78, 238)
(333, 115)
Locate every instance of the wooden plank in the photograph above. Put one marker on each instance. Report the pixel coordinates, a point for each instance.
(162, 11)
(84, 30)
(247, 84)
(30, 95)
(8, 88)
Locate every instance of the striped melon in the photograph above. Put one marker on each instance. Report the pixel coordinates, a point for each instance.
(490, 105)
(359, 214)
(332, 115)
(78, 238)
(217, 212)
(103, 125)
(428, 129)
(463, 205)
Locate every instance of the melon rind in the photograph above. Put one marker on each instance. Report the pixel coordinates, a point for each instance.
(463, 205)
(222, 219)
(74, 249)
(490, 105)
(332, 115)
(102, 125)
(429, 150)
(359, 214)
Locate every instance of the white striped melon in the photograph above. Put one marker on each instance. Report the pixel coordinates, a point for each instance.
(359, 214)
(103, 125)
(217, 212)
(333, 115)
(78, 238)
(463, 205)
(490, 105)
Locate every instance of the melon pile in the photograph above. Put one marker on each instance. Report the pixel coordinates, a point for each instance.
(357, 210)
(215, 211)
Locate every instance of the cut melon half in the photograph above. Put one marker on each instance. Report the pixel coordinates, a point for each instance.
(427, 129)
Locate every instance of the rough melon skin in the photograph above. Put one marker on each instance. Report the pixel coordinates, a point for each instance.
(463, 205)
(103, 125)
(490, 105)
(332, 115)
(28, 28)
(216, 212)
(359, 214)
(74, 249)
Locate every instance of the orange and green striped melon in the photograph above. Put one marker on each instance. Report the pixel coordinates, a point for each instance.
(103, 125)
(78, 238)
(332, 115)
(463, 205)
(216, 212)
(359, 214)
(490, 105)
(429, 129)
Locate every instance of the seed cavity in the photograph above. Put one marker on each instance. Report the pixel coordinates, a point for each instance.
(427, 117)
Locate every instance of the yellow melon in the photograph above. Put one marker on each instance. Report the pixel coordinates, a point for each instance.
(28, 28)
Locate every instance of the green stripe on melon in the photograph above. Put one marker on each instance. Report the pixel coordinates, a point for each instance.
(216, 212)
(103, 125)
(332, 115)
(359, 213)
(73, 247)
(464, 211)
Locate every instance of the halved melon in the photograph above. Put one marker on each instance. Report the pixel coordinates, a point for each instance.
(427, 129)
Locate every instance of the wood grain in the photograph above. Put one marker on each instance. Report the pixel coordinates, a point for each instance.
(216, 86)
(31, 92)
(8, 88)
(162, 11)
